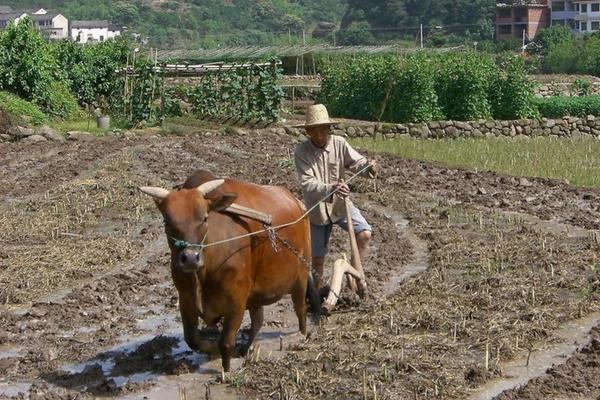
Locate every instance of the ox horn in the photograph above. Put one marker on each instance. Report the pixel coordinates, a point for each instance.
(156, 192)
(209, 186)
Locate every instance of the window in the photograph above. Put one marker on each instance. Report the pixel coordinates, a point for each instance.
(583, 26)
(584, 8)
(558, 6)
(595, 7)
(571, 24)
(101, 38)
(577, 25)
(595, 25)
(577, 7)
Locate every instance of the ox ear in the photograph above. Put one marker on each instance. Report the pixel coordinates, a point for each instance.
(222, 201)
(159, 194)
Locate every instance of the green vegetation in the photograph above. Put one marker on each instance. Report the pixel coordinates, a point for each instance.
(577, 161)
(246, 94)
(21, 111)
(210, 23)
(561, 106)
(367, 21)
(426, 87)
(79, 124)
(561, 52)
(58, 77)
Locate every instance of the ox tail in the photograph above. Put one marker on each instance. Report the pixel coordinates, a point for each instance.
(314, 300)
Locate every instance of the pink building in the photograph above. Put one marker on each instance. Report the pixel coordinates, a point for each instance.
(521, 18)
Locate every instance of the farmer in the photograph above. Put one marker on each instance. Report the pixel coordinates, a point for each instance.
(321, 162)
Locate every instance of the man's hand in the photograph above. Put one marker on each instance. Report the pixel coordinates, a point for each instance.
(341, 189)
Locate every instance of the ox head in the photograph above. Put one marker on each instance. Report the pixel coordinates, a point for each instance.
(185, 213)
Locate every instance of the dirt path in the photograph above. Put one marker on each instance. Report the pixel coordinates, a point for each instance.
(87, 307)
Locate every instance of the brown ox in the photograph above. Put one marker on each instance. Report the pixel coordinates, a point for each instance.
(224, 280)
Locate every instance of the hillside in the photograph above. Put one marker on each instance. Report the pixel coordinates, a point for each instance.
(213, 23)
(207, 23)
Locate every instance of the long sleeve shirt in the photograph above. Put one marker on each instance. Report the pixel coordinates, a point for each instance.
(319, 169)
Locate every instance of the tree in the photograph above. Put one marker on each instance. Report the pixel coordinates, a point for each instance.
(552, 36)
(27, 66)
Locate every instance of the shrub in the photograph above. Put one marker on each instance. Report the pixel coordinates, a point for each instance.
(426, 87)
(27, 67)
(21, 111)
(511, 91)
(61, 102)
(356, 87)
(463, 84)
(582, 87)
(562, 106)
(545, 39)
(561, 57)
(413, 96)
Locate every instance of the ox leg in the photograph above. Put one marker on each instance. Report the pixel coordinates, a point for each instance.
(189, 320)
(231, 325)
(256, 321)
(299, 300)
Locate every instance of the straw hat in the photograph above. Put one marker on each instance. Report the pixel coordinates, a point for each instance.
(317, 115)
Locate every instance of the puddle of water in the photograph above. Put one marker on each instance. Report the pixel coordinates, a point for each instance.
(13, 389)
(574, 335)
(135, 378)
(107, 366)
(553, 226)
(153, 324)
(419, 263)
(10, 352)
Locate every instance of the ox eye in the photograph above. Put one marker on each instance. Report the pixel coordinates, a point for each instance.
(205, 219)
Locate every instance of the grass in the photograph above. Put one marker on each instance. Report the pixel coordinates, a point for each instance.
(81, 125)
(577, 161)
(21, 111)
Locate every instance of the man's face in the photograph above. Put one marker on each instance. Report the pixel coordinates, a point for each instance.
(319, 135)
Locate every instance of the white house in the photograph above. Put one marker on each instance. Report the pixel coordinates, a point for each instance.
(563, 13)
(52, 24)
(7, 18)
(93, 31)
(587, 17)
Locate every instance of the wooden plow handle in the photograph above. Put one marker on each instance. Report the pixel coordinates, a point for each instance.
(358, 285)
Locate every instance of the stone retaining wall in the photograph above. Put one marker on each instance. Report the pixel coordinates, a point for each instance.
(565, 127)
(563, 89)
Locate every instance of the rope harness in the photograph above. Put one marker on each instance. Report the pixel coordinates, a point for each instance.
(271, 231)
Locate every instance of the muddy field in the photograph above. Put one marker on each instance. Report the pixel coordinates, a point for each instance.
(469, 272)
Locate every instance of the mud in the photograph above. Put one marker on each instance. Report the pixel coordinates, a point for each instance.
(575, 379)
(87, 307)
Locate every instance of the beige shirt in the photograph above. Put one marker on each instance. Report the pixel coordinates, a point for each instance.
(319, 170)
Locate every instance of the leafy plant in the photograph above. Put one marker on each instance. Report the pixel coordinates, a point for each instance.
(21, 111)
(137, 100)
(426, 87)
(27, 67)
(463, 84)
(582, 87)
(244, 93)
(511, 94)
(562, 106)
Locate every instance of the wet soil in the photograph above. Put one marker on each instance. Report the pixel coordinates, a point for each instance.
(575, 379)
(87, 307)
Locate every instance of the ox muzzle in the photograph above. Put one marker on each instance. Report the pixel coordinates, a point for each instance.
(190, 260)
